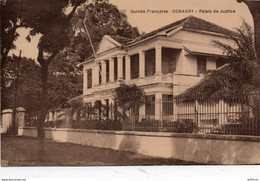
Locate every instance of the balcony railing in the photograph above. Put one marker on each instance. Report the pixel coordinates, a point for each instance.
(160, 78)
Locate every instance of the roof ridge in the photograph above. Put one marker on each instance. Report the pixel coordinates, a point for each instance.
(189, 23)
(120, 36)
(189, 17)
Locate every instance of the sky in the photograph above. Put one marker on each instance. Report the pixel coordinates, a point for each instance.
(138, 15)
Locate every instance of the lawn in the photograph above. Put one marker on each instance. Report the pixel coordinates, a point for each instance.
(26, 151)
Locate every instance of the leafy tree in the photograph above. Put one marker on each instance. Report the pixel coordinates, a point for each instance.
(65, 79)
(65, 82)
(240, 75)
(49, 18)
(100, 19)
(129, 98)
(28, 84)
(11, 20)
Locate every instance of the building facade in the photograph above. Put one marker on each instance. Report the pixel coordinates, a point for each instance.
(164, 62)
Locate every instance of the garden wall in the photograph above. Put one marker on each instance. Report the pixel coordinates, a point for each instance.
(201, 148)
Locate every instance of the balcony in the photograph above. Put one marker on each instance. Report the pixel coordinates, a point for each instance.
(148, 80)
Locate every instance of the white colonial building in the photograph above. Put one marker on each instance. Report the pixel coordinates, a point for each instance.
(163, 63)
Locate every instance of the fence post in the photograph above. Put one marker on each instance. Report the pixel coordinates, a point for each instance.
(20, 122)
(6, 122)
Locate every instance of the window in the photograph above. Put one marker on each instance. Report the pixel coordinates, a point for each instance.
(99, 72)
(167, 105)
(220, 62)
(89, 81)
(124, 68)
(98, 104)
(201, 64)
(115, 69)
(107, 70)
(134, 66)
(150, 62)
(169, 60)
(150, 105)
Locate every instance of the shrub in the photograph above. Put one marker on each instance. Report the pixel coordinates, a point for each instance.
(179, 126)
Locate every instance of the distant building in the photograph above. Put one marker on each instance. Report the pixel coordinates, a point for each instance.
(164, 62)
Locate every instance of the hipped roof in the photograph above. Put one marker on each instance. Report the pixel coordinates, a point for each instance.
(190, 22)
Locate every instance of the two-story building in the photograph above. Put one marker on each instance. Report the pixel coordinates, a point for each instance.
(163, 62)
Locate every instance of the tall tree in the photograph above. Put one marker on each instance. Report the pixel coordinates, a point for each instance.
(100, 19)
(65, 79)
(28, 83)
(65, 82)
(240, 75)
(51, 21)
(11, 20)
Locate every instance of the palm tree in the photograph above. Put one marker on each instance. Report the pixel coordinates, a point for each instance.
(239, 75)
(238, 81)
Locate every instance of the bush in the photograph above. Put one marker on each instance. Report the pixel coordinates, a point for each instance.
(53, 124)
(107, 124)
(247, 127)
(179, 126)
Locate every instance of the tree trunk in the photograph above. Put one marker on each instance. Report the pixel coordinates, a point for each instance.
(254, 8)
(43, 100)
(256, 16)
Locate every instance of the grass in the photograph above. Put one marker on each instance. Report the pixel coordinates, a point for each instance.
(26, 151)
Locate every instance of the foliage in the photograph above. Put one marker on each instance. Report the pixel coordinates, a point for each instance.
(240, 76)
(101, 19)
(65, 79)
(243, 126)
(179, 126)
(102, 124)
(65, 83)
(129, 97)
(11, 20)
(28, 84)
(49, 19)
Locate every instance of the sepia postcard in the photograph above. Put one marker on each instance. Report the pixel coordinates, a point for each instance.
(115, 87)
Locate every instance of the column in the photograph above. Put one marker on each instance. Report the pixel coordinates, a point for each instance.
(158, 59)
(120, 67)
(141, 64)
(95, 76)
(158, 106)
(85, 80)
(127, 68)
(103, 71)
(111, 70)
